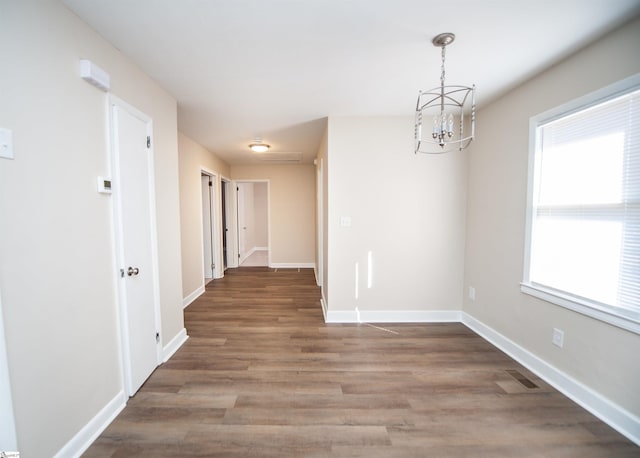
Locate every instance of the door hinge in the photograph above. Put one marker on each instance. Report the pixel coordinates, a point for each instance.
(158, 337)
(148, 141)
(210, 183)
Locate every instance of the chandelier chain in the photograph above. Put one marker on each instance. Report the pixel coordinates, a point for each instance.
(442, 68)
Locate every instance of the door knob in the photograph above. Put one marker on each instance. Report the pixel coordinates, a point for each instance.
(132, 271)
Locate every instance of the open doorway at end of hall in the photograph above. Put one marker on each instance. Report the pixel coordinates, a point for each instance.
(214, 225)
(253, 223)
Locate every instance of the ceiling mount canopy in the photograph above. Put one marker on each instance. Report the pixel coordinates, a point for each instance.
(447, 106)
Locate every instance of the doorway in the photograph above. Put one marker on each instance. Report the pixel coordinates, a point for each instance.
(224, 195)
(135, 241)
(209, 226)
(253, 223)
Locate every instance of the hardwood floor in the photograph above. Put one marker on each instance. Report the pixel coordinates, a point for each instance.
(263, 375)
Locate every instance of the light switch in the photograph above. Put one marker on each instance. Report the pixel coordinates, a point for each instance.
(345, 221)
(6, 143)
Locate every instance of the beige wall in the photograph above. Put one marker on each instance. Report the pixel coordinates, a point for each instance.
(261, 215)
(603, 357)
(57, 272)
(292, 209)
(408, 210)
(193, 159)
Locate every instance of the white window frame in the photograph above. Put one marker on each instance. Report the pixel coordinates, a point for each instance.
(624, 319)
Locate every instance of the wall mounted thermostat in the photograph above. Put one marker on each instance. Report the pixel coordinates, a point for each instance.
(104, 185)
(6, 143)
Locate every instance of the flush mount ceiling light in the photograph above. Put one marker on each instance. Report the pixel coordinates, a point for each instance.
(259, 147)
(446, 105)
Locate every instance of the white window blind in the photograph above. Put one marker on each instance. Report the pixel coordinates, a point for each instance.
(584, 240)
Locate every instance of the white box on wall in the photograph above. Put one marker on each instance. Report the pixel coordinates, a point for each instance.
(93, 74)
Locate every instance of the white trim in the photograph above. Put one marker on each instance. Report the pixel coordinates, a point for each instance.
(193, 296)
(319, 223)
(292, 265)
(589, 309)
(614, 415)
(174, 345)
(628, 320)
(315, 274)
(252, 251)
(81, 441)
(323, 303)
(214, 209)
(231, 218)
(392, 316)
(623, 421)
(8, 437)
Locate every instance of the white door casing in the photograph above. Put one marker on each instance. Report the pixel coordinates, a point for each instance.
(253, 218)
(8, 436)
(208, 238)
(242, 223)
(319, 228)
(136, 242)
(231, 220)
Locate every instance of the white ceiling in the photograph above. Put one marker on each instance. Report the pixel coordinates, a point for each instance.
(277, 68)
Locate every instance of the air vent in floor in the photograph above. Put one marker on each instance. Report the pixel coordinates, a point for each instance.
(524, 381)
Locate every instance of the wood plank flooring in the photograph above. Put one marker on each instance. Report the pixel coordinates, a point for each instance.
(263, 375)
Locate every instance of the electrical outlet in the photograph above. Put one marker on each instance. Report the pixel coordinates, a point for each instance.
(558, 337)
(472, 293)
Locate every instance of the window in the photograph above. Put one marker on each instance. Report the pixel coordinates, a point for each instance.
(583, 222)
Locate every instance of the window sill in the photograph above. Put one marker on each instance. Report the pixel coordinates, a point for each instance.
(623, 319)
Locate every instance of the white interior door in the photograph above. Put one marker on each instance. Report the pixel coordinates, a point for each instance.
(208, 240)
(133, 167)
(242, 221)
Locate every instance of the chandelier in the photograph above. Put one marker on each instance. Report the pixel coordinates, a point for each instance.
(446, 105)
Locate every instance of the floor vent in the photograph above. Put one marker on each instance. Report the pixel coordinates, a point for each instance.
(522, 379)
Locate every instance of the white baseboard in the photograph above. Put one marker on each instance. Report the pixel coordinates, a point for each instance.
(623, 421)
(292, 265)
(391, 316)
(615, 416)
(90, 432)
(173, 346)
(192, 297)
(248, 253)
